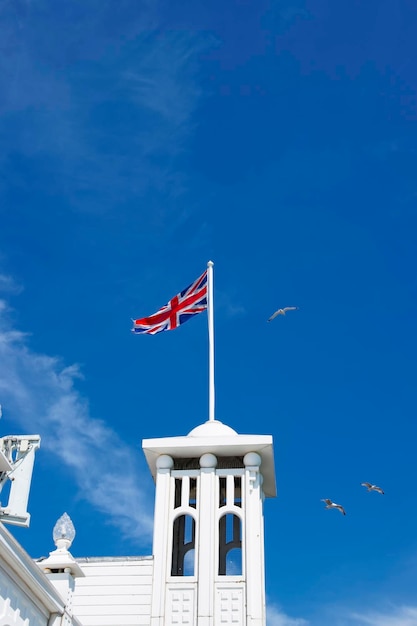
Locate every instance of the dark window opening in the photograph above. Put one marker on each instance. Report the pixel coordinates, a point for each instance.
(226, 462)
(183, 546)
(230, 545)
(193, 493)
(178, 489)
(238, 491)
(222, 491)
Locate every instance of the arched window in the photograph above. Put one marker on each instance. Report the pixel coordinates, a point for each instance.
(230, 545)
(183, 546)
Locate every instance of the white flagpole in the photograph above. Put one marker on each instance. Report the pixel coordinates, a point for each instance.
(210, 317)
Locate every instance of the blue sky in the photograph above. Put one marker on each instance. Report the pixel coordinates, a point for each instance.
(141, 139)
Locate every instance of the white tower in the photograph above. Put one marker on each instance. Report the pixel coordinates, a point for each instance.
(208, 543)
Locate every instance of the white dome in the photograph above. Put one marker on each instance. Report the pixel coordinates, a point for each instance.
(212, 428)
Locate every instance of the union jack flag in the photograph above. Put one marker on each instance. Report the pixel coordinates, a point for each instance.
(180, 308)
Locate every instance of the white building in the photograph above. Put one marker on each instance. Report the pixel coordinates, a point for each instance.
(207, 566)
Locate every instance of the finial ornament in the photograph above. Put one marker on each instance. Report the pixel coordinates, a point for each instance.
(60, 561)
(64, 532)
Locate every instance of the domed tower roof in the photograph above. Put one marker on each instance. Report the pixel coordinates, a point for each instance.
(212, 428)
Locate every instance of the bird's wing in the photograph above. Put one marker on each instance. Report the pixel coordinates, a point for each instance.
(366, 485)
(290, 308)
(341, 509)
(327, 501)
(378, 489)
(273, 316)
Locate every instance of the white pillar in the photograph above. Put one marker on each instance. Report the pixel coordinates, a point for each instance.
(255, 584)
(164, 465)
(206, 545)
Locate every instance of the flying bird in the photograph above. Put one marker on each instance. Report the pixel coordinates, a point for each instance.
(333, 505)
(372, 487)
(282, 312)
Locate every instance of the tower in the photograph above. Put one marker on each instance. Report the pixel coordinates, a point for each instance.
(208, 542)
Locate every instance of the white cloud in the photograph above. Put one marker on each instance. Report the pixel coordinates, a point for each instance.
(8, 285)
(399, 616)
(162, 79)
(386, 615)
(228, 303)
(276, 617)
(50, 103)
(40, 394)
(405, 615)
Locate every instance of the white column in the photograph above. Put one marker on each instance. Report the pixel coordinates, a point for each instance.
(255, 584)
(161, 529)
(207, 547)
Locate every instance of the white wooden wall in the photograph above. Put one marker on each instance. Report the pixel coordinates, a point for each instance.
(114, 592)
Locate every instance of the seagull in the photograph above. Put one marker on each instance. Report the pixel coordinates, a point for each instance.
(333, 505)
(282, 312)
(372, 487)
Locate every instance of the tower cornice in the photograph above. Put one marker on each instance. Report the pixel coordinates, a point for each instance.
(219, 444)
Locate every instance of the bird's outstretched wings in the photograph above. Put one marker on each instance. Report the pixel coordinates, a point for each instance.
(282, 312)
(332, 505)
(371, 487)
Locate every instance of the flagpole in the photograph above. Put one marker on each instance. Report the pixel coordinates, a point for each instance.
(210, 317)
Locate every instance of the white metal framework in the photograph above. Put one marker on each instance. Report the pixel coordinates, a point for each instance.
(17, 455)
